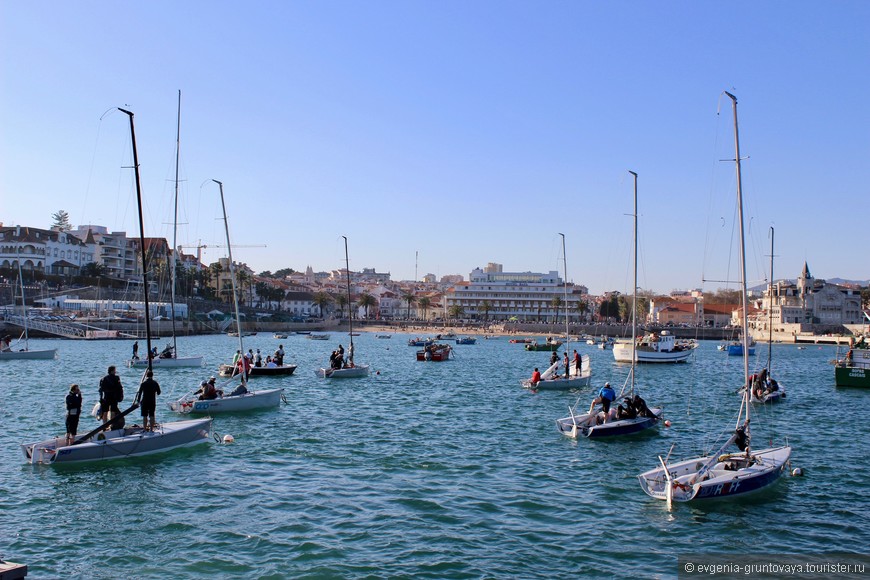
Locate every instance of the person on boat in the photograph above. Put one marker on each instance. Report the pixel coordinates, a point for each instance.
(554, 358)
(244, 366)
(136, 350)
(350, 355)
(605, 396)
(6, 344)
(341, 352)
(236, 357)
(208, 390)
(240, 390)
(167, 352)
(153, 354)
(626, 411)
(279, 355)
(567, 365)
(536, 377)
(73, 412)
(258, 359)
(270, 364)
(578, 364)
(147, 396)
(111, 393)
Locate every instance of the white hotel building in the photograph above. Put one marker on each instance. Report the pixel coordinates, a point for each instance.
(526, 296)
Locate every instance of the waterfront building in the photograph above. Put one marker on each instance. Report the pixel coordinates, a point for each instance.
(41, 251)
(524, 296)
(114, 250)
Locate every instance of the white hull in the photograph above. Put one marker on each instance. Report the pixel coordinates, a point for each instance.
(167, 363)
(622, 353)
(246, 402)
(723, 480)
(120, 443)
(29, 354)
(561, 384)
(350, 373)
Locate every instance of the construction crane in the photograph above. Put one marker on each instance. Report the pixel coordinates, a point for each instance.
(199, 248)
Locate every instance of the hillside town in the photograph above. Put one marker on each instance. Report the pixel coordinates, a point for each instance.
(64, 265)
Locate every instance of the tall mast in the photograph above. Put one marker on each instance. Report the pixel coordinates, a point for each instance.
(233, 280)
(175, 225)
(567, 329)
(349, 305)
(745, 301)
(634, 293)
(23, 303)
(770, 307)
(141, 237)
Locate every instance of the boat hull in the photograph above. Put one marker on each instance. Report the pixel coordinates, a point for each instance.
(47, 354)
(246, 402)
(436, 355)
(348, 373)
(588, 425)
(167, 363)
(720, 482)
(852, 377)
(560, 384)
(737, 350)
(120, 443)
(548, 346)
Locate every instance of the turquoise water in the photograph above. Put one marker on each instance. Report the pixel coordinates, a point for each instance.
(425, 470)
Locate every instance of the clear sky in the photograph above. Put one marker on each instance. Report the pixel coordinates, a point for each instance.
(460, 132)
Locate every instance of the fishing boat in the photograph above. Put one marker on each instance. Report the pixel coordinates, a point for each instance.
(466, 340)
(240, 398)
(418, 342)
(549, 345)
(383, 336)
(169, 357)
(314, 336)
(112, 440)
(277, 335)
(572, 377)
(349, 370)
(521, 340)
(765, 388)
(853, 370)
(653, 347)
(631, 417)
(735, 348)
(8, 350)
(229, 370)
(436, 352)
(722, 474)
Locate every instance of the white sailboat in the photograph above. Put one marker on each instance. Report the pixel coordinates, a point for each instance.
(171, 359)
(572, 378)
(721, 474)
(112, 440)
(351, 370)
(766, 389)
(241, 398)
(8, 350)
(634, 416)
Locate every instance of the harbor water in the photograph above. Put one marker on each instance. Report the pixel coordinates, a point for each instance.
(424, 469)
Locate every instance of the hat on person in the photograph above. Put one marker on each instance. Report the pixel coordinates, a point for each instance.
(606, 384)
(211, 379)
(203, 384)
(73, 388)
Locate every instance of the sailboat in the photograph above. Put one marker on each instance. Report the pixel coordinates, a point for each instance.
(722, 474)
(572, 379)
(635, 416)
(7, 351)
(169, 358)
(112, 440)
(240, 398)
(766, 389)
(350, 370)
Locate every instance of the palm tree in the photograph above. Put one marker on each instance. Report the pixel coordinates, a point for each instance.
(322, 300)
(341, 300)
(486, 306)
(581, 307)
(455, 311)
(556, 303)
(244, 280)
(366, 300)
(425, 303)
(410, 298)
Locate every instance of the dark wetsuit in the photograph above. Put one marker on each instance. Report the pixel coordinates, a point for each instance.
(149, 389)
(73, 412)
(111, 393)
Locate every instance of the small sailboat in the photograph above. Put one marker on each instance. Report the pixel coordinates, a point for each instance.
(113, 440)
(632, 417)
(350, 370)
(241, 398)
(573, 378)
(8, 350)
(766, 389)
(169, 357)
(723, 474)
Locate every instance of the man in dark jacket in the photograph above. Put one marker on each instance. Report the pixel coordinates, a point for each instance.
(111, 393)
(148, 391)
(73, 412)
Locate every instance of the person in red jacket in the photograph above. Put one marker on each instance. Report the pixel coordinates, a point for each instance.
(536, 378)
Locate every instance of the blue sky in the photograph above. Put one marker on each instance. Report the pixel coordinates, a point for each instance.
(461, 132)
